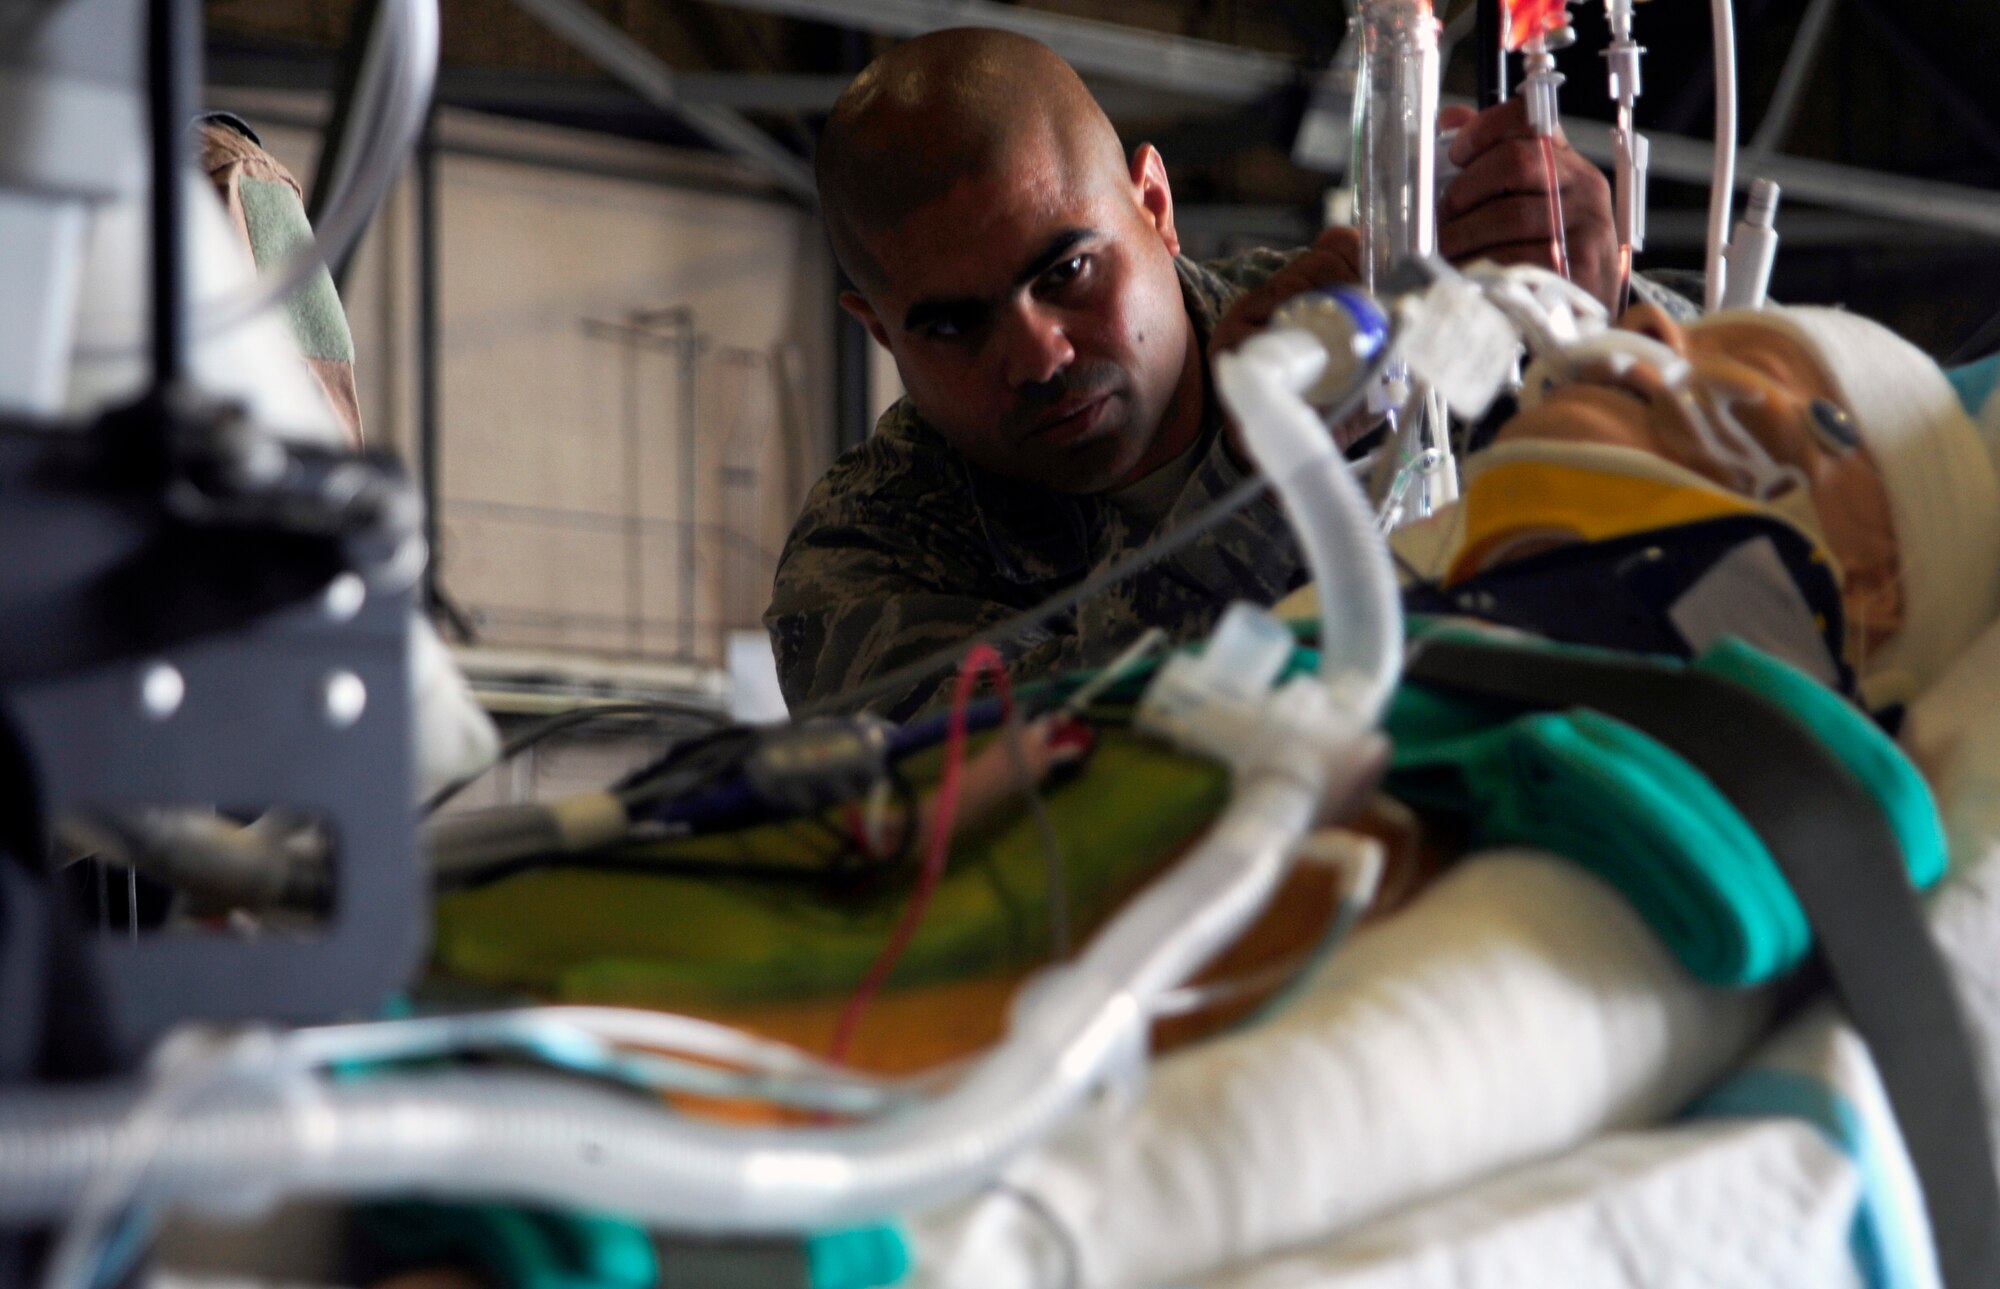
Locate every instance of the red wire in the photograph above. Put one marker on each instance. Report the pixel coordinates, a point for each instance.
(1559, 238)
(981, 658)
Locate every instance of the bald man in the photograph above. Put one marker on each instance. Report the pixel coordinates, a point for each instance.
(1026, 274)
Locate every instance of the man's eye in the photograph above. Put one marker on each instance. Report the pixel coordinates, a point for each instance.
(1068, 271)
(949, 328)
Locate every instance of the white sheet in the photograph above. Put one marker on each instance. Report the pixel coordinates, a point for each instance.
(1516, 1010)
(1639, 1209)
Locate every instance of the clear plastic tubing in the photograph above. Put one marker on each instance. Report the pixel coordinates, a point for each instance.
(1558, 235)
(1395, 145)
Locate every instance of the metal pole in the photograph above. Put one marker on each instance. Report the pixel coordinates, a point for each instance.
(173, 67)
(429, 449)
(1131, 54)
(1490, 54)
(690, 490)
(635, 549)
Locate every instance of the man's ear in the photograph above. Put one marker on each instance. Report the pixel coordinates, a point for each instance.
(1149, 185)
(858, 307)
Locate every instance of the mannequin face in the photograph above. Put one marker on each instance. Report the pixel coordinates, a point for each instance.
(1770, 384)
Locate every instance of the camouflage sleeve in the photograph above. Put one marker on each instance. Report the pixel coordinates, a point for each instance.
(881, 570)
(885, 621)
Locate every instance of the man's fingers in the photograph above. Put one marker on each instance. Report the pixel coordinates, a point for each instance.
(1512, 167)
(1339, 242)
(1483, 130)
(1454, 117)
(1516, 167)
(1538, 253)
(1500, 222)
(1497, 207)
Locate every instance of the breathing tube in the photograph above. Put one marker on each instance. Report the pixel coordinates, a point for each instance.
(1262, 385)
(241, 1145)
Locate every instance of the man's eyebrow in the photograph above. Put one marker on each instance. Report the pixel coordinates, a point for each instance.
(1057, 250)
(1054, 253)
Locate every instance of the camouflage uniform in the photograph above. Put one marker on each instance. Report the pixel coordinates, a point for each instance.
(905, 548)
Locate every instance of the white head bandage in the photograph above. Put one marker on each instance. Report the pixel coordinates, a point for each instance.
(1944, 498)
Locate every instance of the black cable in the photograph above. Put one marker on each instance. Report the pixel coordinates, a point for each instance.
(687, 765)
(556, 724)
(1490, 53)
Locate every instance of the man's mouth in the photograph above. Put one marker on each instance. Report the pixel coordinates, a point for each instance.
(1071, 420)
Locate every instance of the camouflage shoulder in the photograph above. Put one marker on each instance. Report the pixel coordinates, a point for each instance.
(1211, 287)
(1251, 268)
(903, 464)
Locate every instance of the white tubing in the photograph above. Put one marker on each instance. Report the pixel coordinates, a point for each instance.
(1722, 184)
(1361, 618)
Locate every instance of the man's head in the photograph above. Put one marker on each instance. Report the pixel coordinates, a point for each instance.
(1017, 266)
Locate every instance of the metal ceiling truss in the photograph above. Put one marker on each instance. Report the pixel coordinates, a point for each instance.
(641, 70)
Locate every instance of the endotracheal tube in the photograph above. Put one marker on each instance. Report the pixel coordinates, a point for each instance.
(1537, 28)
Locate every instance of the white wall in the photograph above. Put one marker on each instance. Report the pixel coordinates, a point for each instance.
(562, 453)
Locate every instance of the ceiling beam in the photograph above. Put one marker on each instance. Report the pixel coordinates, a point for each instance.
(641, 70)
(1182, 63)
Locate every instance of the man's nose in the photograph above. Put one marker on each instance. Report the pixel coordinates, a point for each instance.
(1037, 348)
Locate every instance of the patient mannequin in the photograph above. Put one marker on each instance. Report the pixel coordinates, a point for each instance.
(1847, 434)
(1853, 435)
(1779, 393)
